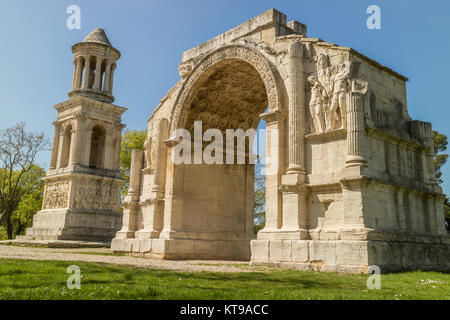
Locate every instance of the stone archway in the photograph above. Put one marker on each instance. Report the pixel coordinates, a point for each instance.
(210, 206)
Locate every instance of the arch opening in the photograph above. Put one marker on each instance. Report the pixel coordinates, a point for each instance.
(96, 157)
(218, 198)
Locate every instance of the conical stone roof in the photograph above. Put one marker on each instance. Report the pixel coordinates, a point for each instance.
(98, 36)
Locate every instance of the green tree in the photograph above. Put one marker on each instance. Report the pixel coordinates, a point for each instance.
(440, 159)
(259, 209)
(19, 175)
(30, 203)
(131, 139)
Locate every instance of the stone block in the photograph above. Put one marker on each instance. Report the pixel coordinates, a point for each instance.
(280, 250)
(300, 250)
(351, 253)
(260, 250)
(322, 251)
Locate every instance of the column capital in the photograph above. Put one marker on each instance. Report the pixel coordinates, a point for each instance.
(171, 142)
(273, 116)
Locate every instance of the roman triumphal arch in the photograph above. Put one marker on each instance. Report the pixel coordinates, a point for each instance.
(349, 177)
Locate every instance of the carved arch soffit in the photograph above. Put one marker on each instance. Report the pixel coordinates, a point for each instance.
(231, 52)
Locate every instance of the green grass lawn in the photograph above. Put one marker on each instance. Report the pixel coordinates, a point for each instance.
(24, 279)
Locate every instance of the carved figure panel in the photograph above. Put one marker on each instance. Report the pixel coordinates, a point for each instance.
(329, 95)
(56, 195)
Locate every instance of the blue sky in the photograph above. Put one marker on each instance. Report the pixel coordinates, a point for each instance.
(36, 59)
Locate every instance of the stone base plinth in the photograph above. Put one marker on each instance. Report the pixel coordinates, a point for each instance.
(74, 225)
(177, 249)
(351, 256)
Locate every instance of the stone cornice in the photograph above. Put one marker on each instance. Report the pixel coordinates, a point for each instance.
(81, 100)
(411, 144)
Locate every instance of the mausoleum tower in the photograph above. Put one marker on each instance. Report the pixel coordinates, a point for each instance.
(95, 62)
(82, 186)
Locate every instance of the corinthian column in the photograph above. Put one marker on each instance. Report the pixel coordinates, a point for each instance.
(111, 78)
(74, 79)
(87, 71)
(107, 82)
(355, 124)
(78, 72)
(296, 110)
(98, 74)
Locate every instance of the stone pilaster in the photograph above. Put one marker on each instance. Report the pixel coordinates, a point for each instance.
(173, 200)
(153, 207)
(275, 128)
(295, 211)
(160, 158)
(76, 141)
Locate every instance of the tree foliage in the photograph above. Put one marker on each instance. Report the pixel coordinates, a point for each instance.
(19, 176)
(259, 209)
(440, 159)
(131, 139)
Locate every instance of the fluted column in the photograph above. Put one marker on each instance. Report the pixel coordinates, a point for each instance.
(296, 110)
(98, 74)
(135, 172)
(78, 72)
(355, 124)
(131, 202)
(87, 71)
(55, 146)
(111, 80)
(107, 81)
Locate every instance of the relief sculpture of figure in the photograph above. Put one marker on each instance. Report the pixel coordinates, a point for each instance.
(147, 152)
(339, 98)
(317, 105)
